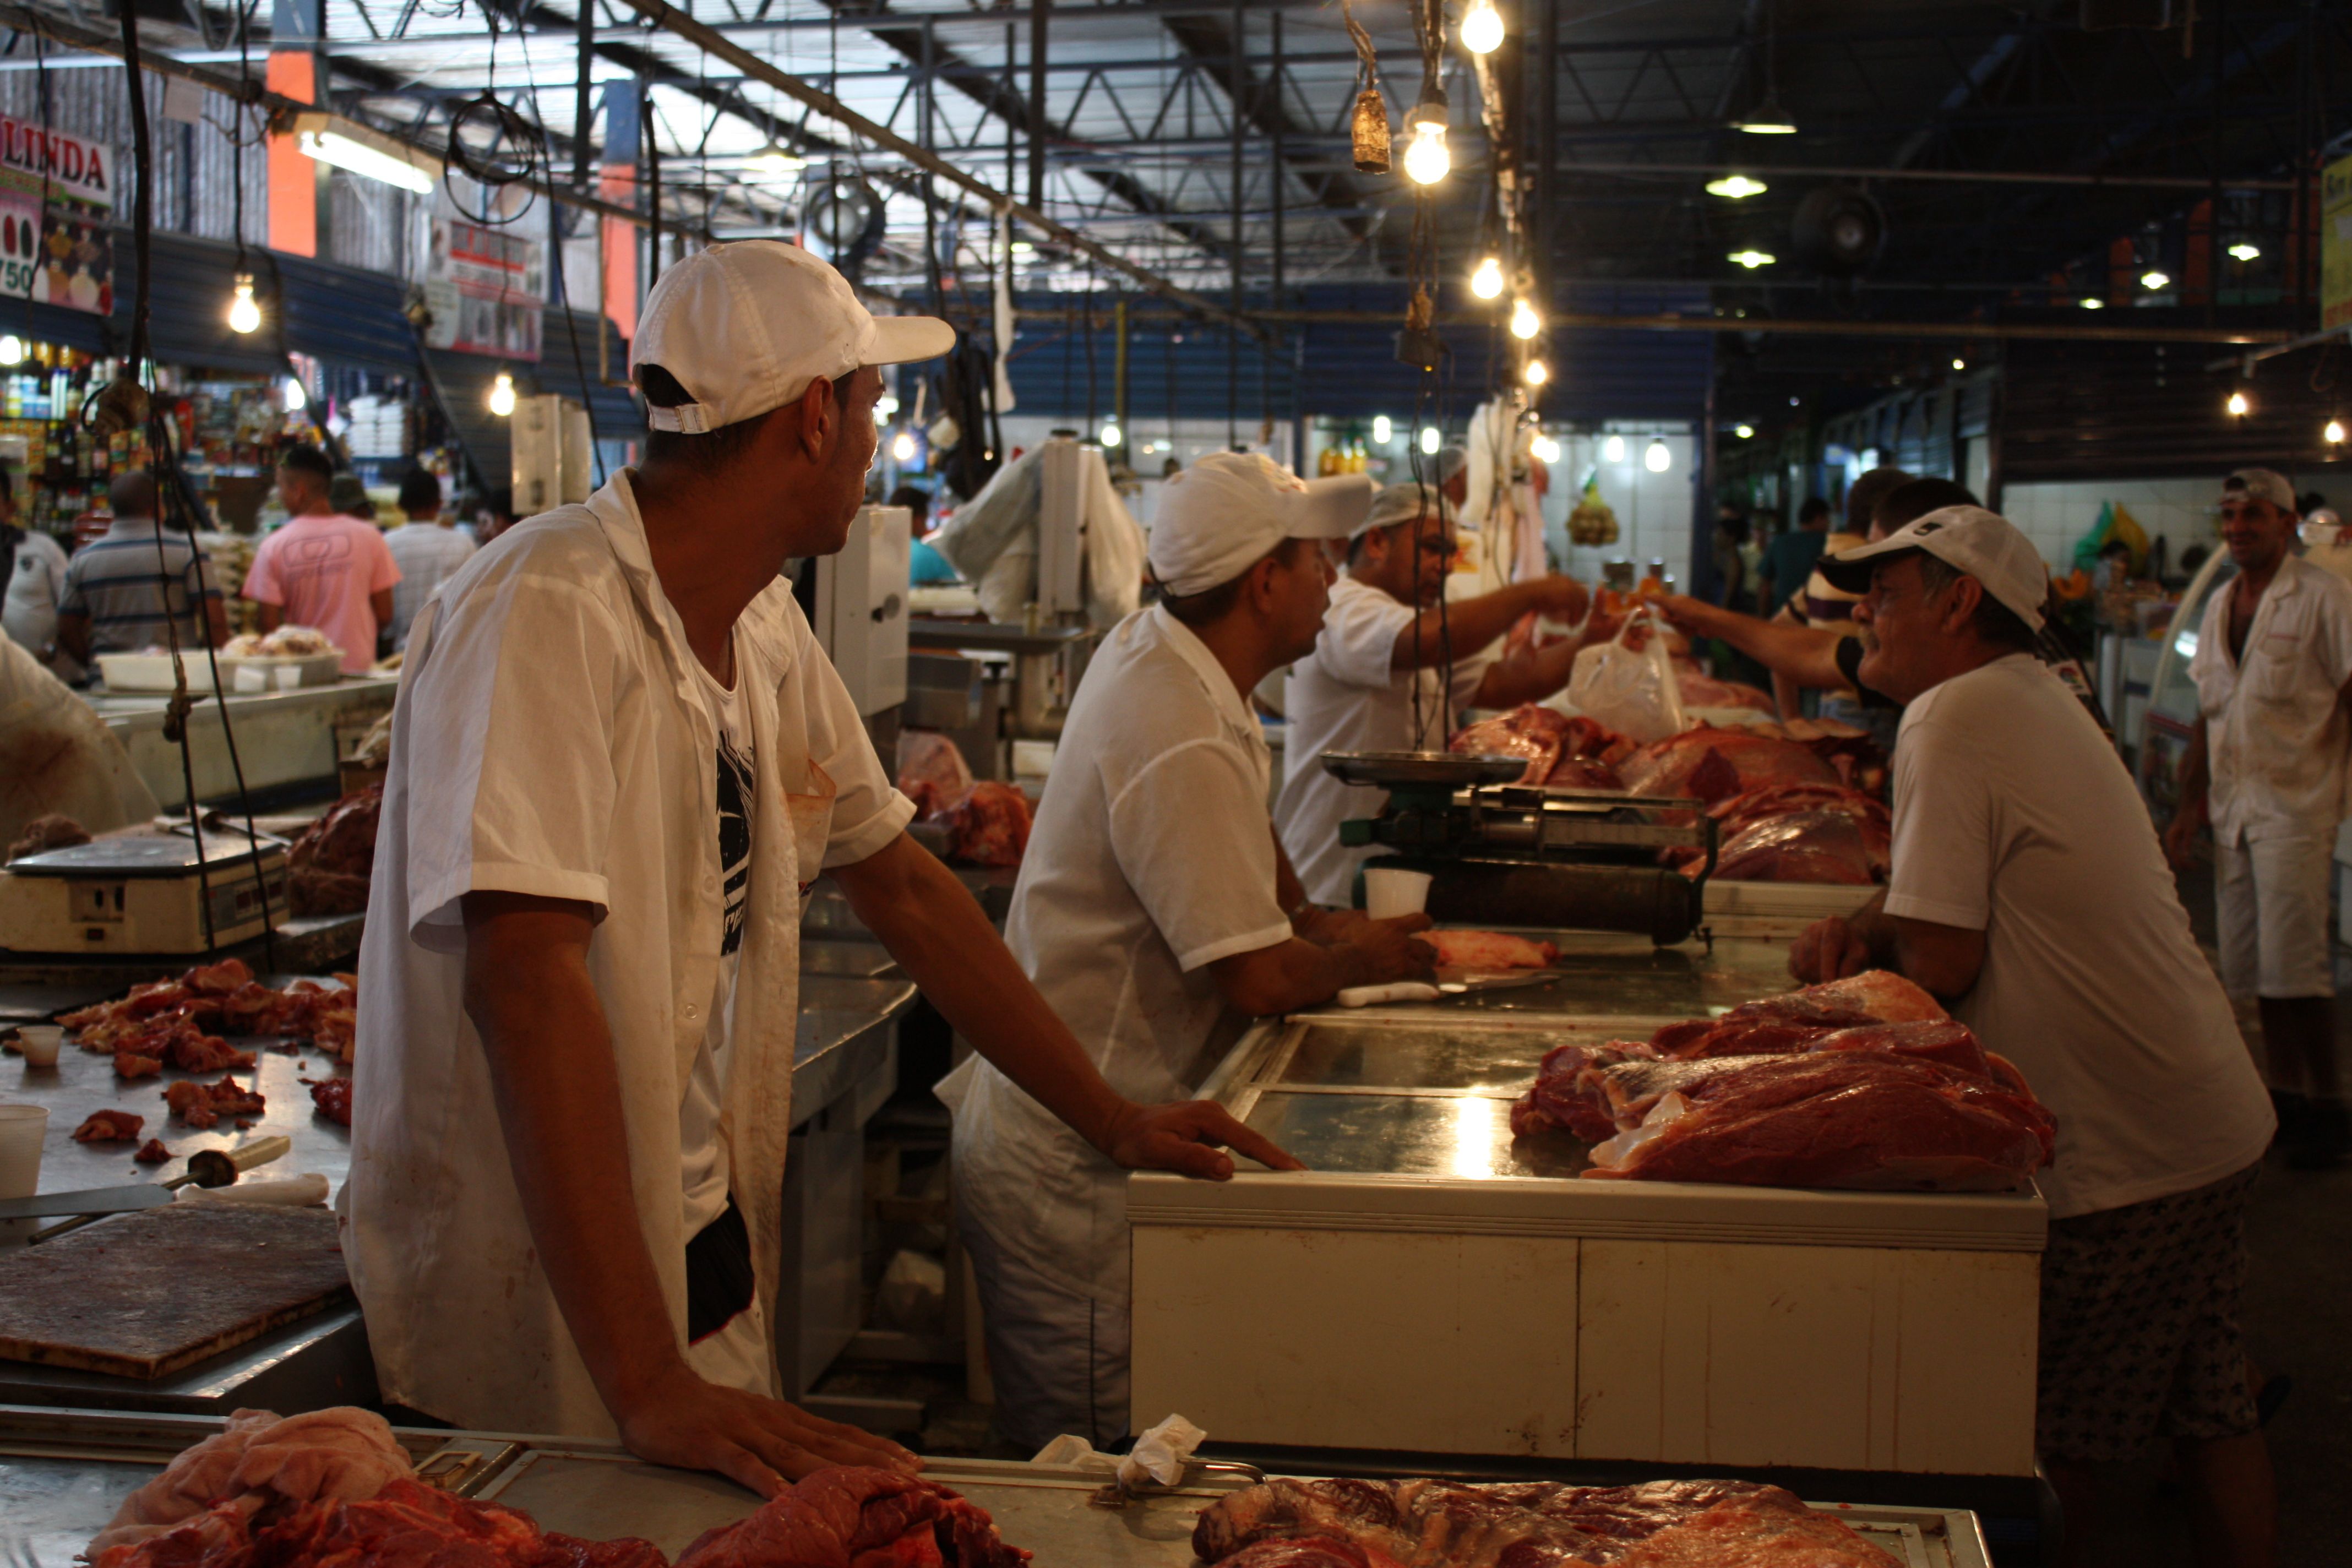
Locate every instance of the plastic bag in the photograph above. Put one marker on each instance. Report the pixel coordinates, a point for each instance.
(1630, 687)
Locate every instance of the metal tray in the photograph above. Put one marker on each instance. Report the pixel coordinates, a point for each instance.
(1385, 769)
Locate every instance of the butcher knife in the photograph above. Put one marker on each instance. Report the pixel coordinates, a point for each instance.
(206, 1168)
(1457, 981)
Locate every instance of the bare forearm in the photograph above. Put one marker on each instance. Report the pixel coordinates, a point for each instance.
(1464, 626)
(939, 935)
(559, 1102)
(1299, 973)
(1874, 927)
(1529, 677)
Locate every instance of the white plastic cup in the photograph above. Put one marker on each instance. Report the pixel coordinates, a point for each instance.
(38, 1043)
(22, 1128)
(1390, 892)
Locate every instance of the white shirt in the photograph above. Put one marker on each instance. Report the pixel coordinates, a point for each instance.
(427, 555)
(2013, 816)
(550, 738)
(2275, 729)
(1345, 696)
(30, 612)
(1152, 856)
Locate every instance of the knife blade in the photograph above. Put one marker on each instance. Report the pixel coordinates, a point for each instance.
(1457, 981)
(89, 1200)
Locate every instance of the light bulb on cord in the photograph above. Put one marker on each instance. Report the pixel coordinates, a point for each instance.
(1111, 435)
(1430, 440)
(2333, 433)
(2153, 280)
(1381, 430)
(1745, 432)
(244, 315)
(1538, 372)
(2238, 404)
(296, 397)
(1524, 322)
(1737, 187)
(1752, 259)
(902, 446)
(12, 350)
(1657, 459)
(1612, 450)
(1487, 282)
(2246, 251)
(1426, 159)
(1545, 448)
(502, 394)
(1482, 29)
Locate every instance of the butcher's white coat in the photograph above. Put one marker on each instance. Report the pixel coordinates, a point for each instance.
(549, 738)
(1152, 856)
(2276, 736)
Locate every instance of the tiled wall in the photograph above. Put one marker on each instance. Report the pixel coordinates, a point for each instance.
(1653, 511)
(2057, 514)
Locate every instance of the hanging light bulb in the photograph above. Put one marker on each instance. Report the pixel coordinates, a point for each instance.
(2152, 280)
(1381, 430)
(1612, 450)
(1745, 432)
(502, 394)
(1546, 448)
(1738, 187)
(296, 398)
(1959, 364)
(1487, 282)
(2092, 302)
(1426, 159)
(244, 315)
(2238, 404)
(902, 446)
(2333, 433)
(2246, 251)
(1111, 433)
(12, 350)
(1752, 259)
(773, 160)
(1482, 29)
(1538, 372)
(1524, 322)
(1657, 459)
(1430, 440)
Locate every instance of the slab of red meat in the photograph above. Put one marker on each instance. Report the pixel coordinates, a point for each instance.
(1530, 1524)
(1489, 950)
(1534, 733)
(1713, 765)
(327, 869)
(1870, 1120)
(333, 1097)
(855, 1516)
(200, 1105)
(51, 832)
(152, 1152)
(1565, 1094)
(1796, 847)
(109, 1127)
(1701, 690)
(1874, 997)
(1583, 772)
(989, 826)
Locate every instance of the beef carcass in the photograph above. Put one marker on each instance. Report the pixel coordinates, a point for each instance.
(327, 869)
(989, 826)
(1489, 950)
(1713, 765)
(109, 1127)
(1872, 1119)
(852, 1516)
(1346, 1524)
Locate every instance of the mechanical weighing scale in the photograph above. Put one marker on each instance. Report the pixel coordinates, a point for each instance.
(142, 891)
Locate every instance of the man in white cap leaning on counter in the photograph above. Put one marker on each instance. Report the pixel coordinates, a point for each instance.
(619, 762)
(1379, 680)
(2274, 674)
(2028, 891)
(1156, 911)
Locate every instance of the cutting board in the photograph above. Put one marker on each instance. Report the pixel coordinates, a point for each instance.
(144, 1295)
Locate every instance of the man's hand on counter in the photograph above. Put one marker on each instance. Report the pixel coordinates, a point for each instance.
(1828, 950)
(680, 1419)
(1189, 1138)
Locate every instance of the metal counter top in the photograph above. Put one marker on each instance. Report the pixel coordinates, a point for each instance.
(283, 738)
(844, 1030)
(134, 712)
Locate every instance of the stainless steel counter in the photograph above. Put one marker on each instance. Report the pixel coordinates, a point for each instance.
(282, 737)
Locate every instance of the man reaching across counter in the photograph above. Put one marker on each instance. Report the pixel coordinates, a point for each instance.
(2029, 891)
(1381, 666)
(619, 762)
(1156, 911)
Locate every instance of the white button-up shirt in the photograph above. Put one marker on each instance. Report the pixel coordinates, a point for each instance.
(2275, 733)
(549, 738)
(1347, 697)
(1152, 858)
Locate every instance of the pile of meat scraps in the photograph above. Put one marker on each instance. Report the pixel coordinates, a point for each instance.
(1564, 753)
(1524, 1524)
(855, 1515)
(167, 1023)
(987, 822)
(327, 869)
(1860, 1083)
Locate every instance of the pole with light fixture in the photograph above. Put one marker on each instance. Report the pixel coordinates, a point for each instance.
(1767, 118)
(347, 144)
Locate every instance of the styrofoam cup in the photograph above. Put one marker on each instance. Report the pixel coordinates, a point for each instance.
(22, 1128)
(1390, 891)
(38, 1043)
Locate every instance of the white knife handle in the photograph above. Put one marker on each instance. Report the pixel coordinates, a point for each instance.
(1398, 991)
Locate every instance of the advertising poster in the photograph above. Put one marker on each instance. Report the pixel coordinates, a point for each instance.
(56, 195)
(486, 289)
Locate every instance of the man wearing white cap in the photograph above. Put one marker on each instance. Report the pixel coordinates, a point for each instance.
(1155, 912)
(1388, 675)
(619, 762)
(2266, 763)
(2028, 890)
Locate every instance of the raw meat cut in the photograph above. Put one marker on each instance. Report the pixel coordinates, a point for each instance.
(1700, 689)
(1578, 753)
(256, 1464)
(200, 1105)
(1488, 950)
(1861, 1119)
(152, 1152)
(1713, 765)
(1796, 847)
(1583, 772)
(1345, 1523)
(849, 1517)
(327, 869)
(990, 826)
(333, 1097)
(1874, 997)
(931, 772)
(50, 832)
(131, 1064)
(109, 1127)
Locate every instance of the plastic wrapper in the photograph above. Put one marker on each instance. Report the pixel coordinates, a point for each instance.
(1159, 1455)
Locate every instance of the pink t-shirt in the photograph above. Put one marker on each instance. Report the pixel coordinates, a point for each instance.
(319, 572)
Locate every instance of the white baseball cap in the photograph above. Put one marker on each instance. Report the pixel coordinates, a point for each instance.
(1984, 544)
(1406, 502)
(2264, 484)
(1220, 517)
(746, 326)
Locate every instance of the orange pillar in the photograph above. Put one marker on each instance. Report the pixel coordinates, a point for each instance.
(618, 183)
(293, 178)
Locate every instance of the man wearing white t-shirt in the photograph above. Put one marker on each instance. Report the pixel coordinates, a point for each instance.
(2029, 891)
(2274, 674)
(1387, 675)
(619, 762)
